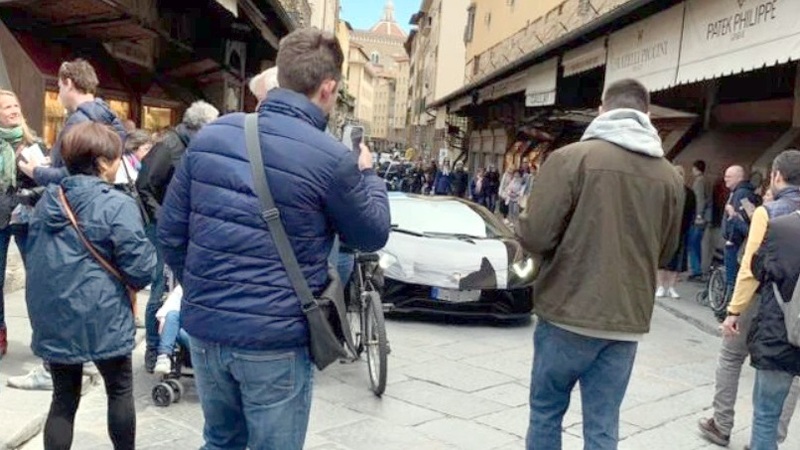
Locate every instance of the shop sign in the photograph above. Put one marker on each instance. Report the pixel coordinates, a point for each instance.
(722, 37)
(647, 51)
(541, 88)
(585, 58)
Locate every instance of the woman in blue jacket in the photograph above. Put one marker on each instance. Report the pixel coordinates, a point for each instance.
(79, 311)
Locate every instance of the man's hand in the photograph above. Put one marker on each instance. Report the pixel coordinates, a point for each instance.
(365, 158)
(27, 167)
(729, 210)
(730, 327)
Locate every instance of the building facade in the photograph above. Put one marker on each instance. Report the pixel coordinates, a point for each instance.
(324, 14)
(152, 59)
(361, 85)
(436, 46)
(388, 63)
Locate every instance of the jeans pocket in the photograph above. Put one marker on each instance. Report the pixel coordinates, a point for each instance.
(267, 378)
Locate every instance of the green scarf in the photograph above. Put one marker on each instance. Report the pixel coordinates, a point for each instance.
(9, 140)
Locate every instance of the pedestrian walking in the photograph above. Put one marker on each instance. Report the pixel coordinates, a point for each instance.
(512, 195)
(668, 277)
(503, 190)
(81, 230)
(158, 168)
(16, 195)
(443, 181)
(249, 335)
(595, 291)
(694, 245)
(739, 211)
(77, 86)
(460, 181)
(740, 320)
(477, 187)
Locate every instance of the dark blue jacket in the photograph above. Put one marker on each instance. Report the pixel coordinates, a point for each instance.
(236, 291)
(95, 111)
(736, 229)
(79, 312)
(442, 184)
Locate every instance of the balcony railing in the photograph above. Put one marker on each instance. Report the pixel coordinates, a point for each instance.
(566, 17)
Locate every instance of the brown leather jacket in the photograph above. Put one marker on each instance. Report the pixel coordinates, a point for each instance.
(603, 219)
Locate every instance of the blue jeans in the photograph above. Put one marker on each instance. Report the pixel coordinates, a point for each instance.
(20, 233)
(255, 399)
(171, 334)
(157, 289)
(731, 267)
(769, 393)
(345, 265)
(560, 360)
(694, 245)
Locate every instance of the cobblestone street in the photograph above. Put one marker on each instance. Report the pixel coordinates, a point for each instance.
(466, 387)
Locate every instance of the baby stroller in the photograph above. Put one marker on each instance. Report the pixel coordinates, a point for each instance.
(170, 389)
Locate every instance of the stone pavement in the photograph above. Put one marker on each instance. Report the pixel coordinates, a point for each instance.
(465, 387)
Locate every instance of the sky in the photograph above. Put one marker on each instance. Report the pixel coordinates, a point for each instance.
(363, 14)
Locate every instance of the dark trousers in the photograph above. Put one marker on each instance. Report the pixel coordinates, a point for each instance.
(157, 288)
(20, 233)
(117, 374)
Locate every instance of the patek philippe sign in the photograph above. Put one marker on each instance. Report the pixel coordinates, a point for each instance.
(722, 37)
(647, 51)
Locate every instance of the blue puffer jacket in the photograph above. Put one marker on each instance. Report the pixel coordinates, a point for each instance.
(94, 111)
(79, 312)
(236, 291)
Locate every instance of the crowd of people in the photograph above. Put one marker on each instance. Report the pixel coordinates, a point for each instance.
(109, 208)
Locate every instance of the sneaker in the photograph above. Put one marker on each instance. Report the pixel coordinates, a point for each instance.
(38, 379)
(150, 359)
(163, 365)
(710, 431)
(90, 370)
(673, 293)
(660, 292)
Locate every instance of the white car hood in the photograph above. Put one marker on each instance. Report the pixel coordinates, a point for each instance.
(442, 262)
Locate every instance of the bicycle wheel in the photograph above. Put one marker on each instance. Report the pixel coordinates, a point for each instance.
(375, 342)
(717, 299)
(354, 315)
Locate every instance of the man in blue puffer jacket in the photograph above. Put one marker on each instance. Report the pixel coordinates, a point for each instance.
(77, 85)
(249, 336)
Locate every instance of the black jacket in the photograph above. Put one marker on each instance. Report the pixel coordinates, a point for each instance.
(777, 261)
(735, 229)
(460, 183)
(158, 167)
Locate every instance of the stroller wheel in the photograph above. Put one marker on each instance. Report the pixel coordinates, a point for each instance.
(163, 395)
(177, 389)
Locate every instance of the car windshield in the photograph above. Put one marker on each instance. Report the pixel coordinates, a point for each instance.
(442, 217)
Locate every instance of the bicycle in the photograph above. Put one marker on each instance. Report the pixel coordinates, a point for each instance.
(365, 317)
(716, 295)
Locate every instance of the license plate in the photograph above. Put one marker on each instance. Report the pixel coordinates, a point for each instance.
(455, 296)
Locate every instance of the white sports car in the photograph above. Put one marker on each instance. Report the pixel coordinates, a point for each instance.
(449, 255)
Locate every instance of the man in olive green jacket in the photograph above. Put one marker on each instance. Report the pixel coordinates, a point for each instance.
(604, 215)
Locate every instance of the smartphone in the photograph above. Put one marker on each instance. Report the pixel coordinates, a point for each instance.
(352, 136)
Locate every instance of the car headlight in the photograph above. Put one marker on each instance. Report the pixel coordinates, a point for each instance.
(386, 260)
(524, 269)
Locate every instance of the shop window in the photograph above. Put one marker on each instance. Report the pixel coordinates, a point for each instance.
(54, 117)
(121, 108)
(157, 119)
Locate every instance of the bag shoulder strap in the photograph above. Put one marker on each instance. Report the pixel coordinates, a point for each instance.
(93, 251)
(271, 215)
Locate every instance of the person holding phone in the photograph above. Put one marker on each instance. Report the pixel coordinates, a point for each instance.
(16, 188)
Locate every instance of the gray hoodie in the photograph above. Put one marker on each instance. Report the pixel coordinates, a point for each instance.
(628, 128)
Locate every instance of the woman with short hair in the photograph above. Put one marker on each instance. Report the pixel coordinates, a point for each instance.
(81, 233)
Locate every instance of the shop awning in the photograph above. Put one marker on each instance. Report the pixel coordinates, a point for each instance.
(541, 88)
(585, 58)
(647, 51)
(723, 37)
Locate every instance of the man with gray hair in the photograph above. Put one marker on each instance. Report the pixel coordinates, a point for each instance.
(157, 169)
(262, 83)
